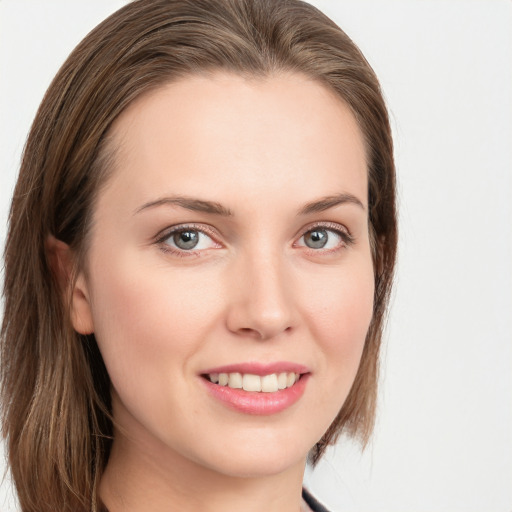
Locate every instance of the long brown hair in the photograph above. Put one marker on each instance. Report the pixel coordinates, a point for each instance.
(54, 385)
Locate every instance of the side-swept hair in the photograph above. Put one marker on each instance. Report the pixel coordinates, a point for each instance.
(54, 386)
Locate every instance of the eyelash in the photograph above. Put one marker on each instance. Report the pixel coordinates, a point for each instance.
(161, 239)
(341, 231)
(163, 236)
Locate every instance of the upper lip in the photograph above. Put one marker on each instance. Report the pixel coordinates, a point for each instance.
(256, 368)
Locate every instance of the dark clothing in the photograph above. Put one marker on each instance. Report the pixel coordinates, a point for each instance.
(312, 503)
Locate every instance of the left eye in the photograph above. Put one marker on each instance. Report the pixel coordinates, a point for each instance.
(188, 239)
(321, 238)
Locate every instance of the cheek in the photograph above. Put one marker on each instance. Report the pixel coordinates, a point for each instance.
(341, 309)
(146, 317)
(343, 305)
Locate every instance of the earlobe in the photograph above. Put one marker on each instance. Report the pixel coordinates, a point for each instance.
(60, 259)
(81, 315)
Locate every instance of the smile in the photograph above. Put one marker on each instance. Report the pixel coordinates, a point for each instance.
(258, 383)
(257, 389)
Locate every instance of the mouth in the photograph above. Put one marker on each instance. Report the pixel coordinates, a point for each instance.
(255, 388)
(270, 383)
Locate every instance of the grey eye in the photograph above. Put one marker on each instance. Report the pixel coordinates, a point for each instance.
(186, 239)
(316, 238)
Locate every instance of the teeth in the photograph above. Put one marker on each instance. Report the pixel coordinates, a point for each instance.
(235, 380)
(269, 383)
(249, 382)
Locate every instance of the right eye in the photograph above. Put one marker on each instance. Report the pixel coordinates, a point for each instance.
(185, 239)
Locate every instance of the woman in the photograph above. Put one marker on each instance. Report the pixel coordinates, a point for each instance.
(179, 333)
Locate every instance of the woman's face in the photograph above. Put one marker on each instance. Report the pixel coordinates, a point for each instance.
(231, 243)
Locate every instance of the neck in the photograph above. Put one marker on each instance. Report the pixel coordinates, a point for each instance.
(136, 480)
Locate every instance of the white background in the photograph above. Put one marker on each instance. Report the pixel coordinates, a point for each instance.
(443, 441)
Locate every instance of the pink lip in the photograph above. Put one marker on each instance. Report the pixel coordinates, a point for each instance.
(259, 368)
(258, 403)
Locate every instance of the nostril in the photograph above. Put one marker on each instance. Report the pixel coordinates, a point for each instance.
(260, 314)
(254, 333)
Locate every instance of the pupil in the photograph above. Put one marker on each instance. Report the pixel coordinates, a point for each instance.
(316, 239)
(186, 239)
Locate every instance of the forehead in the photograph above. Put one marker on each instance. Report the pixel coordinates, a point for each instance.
(202, 133)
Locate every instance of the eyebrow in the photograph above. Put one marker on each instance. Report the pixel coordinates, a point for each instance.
(327, 202)
(212, 207)
(189, 203)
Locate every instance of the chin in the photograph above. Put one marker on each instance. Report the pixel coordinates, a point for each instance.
(260, 465)
(261, 457)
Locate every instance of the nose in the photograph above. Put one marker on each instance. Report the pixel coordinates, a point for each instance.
(261, 297)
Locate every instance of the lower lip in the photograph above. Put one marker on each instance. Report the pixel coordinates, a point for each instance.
(258, 403)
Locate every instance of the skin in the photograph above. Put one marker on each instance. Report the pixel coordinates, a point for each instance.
(251, 291)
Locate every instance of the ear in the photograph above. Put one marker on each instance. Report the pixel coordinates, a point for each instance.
(61, 260)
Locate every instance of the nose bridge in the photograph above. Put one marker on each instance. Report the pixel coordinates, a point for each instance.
(262, 304)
